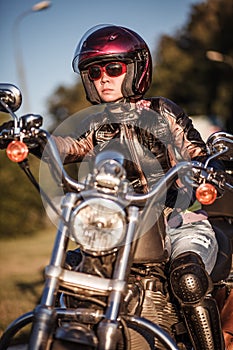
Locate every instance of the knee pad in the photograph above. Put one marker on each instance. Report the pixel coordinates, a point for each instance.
(189, 280)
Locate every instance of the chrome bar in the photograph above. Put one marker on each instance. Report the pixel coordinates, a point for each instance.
(164, 183)
(85, 281)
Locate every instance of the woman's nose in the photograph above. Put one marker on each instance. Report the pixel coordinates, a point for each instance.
(104, 77)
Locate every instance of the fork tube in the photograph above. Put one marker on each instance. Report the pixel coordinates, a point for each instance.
(44, 314)
(58, 253)
(108, 330)
(122, 266)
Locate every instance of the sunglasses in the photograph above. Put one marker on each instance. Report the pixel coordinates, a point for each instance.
(112, 69)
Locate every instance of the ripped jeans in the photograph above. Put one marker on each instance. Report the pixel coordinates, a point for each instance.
(198, 237)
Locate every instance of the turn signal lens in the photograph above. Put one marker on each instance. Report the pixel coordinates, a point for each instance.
(206, 194)
(17, 151)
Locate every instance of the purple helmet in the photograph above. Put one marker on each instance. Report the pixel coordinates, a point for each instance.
(111, 43)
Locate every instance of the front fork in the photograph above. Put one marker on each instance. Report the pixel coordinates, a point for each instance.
(44, 314)
(108, 329)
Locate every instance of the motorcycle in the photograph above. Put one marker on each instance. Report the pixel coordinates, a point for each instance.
(112, 291)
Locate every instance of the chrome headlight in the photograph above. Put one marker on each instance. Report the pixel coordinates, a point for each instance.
(98, 225)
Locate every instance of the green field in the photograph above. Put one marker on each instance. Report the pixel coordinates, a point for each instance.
(22, 264)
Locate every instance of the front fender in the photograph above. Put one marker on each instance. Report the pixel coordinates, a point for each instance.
(15, 327)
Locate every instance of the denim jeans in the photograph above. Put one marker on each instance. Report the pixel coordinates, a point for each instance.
(197, 237)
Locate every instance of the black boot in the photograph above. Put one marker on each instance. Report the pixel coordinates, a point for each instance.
(192, 286)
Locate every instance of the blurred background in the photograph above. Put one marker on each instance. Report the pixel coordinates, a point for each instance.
(192, 47)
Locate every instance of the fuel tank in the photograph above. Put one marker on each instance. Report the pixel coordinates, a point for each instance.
(153, 245)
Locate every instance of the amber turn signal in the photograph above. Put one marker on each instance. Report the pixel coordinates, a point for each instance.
(206, 194)
(17, 151)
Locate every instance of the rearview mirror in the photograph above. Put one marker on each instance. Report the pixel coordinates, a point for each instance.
(11, 96)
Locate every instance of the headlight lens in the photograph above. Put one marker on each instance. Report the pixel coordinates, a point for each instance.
(98, 225)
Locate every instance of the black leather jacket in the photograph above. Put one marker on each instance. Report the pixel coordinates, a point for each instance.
(151, 141)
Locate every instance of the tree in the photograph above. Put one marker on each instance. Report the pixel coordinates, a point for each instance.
(184, 74)
(65, 101)
(22, 211)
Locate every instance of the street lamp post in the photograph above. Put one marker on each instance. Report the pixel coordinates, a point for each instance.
(42, 5)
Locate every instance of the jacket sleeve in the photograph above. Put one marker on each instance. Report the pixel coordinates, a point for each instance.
(185, 138)
(74, 150)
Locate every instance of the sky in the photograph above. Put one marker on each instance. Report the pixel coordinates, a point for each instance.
(46, 40)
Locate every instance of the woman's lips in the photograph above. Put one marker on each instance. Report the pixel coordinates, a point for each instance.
(104, 91)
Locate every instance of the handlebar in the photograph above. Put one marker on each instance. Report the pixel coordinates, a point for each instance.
(33, 121)
(52, 154)
(156, 193)
(165, 182)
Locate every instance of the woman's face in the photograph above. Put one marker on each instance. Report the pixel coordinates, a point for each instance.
(109, 86)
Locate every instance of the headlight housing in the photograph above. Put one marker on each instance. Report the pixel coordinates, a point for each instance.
(98, 225)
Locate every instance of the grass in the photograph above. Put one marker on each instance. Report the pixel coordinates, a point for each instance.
(22, 263)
